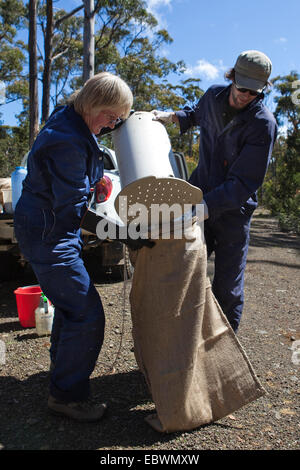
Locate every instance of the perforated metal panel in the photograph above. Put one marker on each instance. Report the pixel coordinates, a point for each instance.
(150, 191)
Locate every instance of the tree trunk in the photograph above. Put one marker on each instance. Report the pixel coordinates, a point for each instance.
(88, 40)
(47, 62)
(33, 75)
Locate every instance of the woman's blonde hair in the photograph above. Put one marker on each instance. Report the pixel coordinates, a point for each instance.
(102, 91)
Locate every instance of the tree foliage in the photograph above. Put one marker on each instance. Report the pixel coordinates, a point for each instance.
(127, 42)
(13, 145)
(282, 185)
(12, 57)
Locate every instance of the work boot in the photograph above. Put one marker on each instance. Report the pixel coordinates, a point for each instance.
(80, 411)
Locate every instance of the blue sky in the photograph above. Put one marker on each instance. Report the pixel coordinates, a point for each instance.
(209, 35)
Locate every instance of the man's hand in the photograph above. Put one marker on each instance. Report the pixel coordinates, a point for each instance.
(162, 116)
(201, 211)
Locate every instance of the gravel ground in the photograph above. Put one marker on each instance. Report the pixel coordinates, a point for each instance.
(269, 332)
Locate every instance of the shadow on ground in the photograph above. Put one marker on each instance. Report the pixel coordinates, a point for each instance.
(274, 239)
(27, 424)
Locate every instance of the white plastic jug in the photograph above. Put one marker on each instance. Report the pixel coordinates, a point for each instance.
(44, 317)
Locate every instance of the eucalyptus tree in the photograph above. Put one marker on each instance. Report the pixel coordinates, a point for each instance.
(12, 56)
(61, 33)
(33, 73)
(282, 186)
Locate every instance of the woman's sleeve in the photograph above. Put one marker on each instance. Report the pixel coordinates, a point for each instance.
(67, 170)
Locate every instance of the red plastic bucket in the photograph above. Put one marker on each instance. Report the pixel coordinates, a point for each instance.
(28, 299)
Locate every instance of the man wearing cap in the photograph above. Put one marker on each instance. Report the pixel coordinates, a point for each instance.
(237, 134)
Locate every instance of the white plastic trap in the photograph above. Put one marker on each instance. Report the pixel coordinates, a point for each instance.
(142, 148)
(150, 190)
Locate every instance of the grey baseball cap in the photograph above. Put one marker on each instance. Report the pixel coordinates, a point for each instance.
(252, 70)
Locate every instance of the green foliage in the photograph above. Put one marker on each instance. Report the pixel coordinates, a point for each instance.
(188, 93)
(191, 164)
(13, 147)
(290, 222)
(128, 43)
(287, 112)
(66, 54)
(281, 190)
(13, 140)
(12, 58)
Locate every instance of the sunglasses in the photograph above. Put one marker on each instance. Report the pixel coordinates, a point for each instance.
(112, 119)
(245, 90)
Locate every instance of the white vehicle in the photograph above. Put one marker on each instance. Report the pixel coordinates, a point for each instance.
(109, 253)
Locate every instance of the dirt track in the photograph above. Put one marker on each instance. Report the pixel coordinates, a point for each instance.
(269, 332)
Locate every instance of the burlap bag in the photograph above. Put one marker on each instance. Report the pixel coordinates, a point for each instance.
(193, 363)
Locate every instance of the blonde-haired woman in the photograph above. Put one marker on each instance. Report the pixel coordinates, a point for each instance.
(64, 163)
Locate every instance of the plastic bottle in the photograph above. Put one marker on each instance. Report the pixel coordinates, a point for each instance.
(17, 178)
(44, 317)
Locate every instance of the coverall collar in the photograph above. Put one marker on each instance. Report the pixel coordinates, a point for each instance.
(77, 118)
(224, 94)
(242, 115)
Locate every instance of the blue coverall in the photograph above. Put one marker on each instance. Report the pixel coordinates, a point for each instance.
(64, 162)
(233, 160)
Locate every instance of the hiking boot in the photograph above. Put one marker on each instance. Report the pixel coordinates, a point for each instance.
(80, 411)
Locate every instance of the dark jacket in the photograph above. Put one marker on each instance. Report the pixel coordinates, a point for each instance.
(64, 163)
(233, 159)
